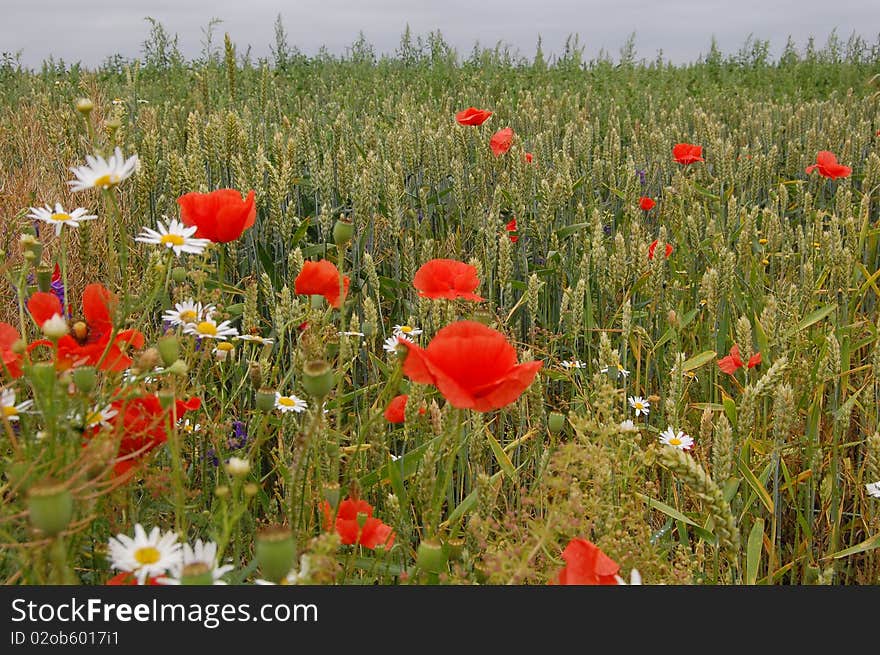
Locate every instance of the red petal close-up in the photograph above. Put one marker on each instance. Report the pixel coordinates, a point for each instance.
(687, 153)
(396, 410)
(472, 116)
(221, 216)
(371, 534)
(11, 361)
(586, 564)
(828, 166)
(44, 306)
(472, 365)
(646, 203)
(321, 278)
(653, 247)
(447, 278)
(501, 141)
(731, 362)
(511, 229)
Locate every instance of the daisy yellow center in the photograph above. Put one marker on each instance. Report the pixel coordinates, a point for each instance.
(406, 329)
(10, 411)
(106, 180)
(286, 401)
(188, 316)
(639, 405)
(60, 217)
(675, 441)
(172, 239)
(94, 418)
(225, 346)
(207, 327)
(147, 555)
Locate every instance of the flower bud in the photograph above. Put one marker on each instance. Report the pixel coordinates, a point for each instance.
(85, 378)
(50, 507)
(221, 491)
(276, 552)
(318, 378)
(251, 489)
(84, 106)
(55, 327)
(42, 376)
(44, 279)
(169, 349)
(265, 400)
(255, 373)
(197, 573)
(166, 398)
(555, 422)
(237, 467)
(178, 368)
(148, 360)
(342, 232)
(331, 492)
(178, 274)
(430, 556)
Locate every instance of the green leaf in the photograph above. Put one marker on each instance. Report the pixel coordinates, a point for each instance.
(868, 544)
(810, 319)
(759, 489)
(568, 230)
(698, 360)
(500, 456)
(753, 551)
(410, 462)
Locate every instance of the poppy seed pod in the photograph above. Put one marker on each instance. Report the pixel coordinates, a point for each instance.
(42, 376)
(343, 231)
(179, 368)
(431, 556)
(555, 422)
(331, 493)
(196, 573)
(169, 349)
(318, 378)
(50, 507)
(178, 274)
(276, 552)
(265, 399)
(44, 278)
(85, 378)
(166, 398)
(453, 548)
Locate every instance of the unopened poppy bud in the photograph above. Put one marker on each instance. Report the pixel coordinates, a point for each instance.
(196, 573)
(55, 327)
(84, 106)
(44, 278)
(276, 552)
(148, 360)
(237, 467)
(331, 494)
(342, 232)
(362, 519)
(430, 556)
(42, 376)
(251, 489)
(178, 274)
(166, 398)
(318, 378)
(113, 124)
(169, 349)
(19, 347)
(255, 373)
(672, 318)
(178, 368)
(555, 422)
(85, 378)
(50, 507)
(266, 400)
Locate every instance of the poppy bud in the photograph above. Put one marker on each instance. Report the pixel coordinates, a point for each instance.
(84, 106)
(255, 373)
(265, 400)
(42, 376)
(555, 422)
(430, 556)
(166, 398)
(50, 507)
(237, 467)
(331, 493)
(55, 327)
(318, 378)
(178, 368)
(148, 360)
(85, 378)
(169, 349)
(196, 573)
(251, 489)
(44, 279)
(276, 552)
(19, 347)
(178, 274)
(342, 232)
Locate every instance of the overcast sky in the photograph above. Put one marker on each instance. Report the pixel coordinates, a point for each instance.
(90, 30)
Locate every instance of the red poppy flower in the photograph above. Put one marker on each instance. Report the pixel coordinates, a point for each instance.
(371, 534)
(687, 153)
(221, 215)
(87, 341)
(511, 229)
(646, 203)
(586, 564)
(653, 247)
(501, 141)
(321, 278)
(143, 424)
(529, 157)
(126, 578)
(447, 278)
(826, 163)
(472, 116)
(11, 361)
(472, 365)
(733, 361)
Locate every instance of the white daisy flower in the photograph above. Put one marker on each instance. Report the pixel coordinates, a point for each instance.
(294, 577)
(680, 440)
(406, 331)
(391, 343)
(873, 489)
(203, 553)
(628, 426)
(188, 311)
(145, 556)
(573, 363)
(639, 404)
(208, 328)
(223, 350)
(100, 173)
(188, 427)
(59, 217)
(238, 467)
(621, 372)
(290, 403)
(8, 407)
(176, 236)
(635, 578)
(256, 339)
(350, 334)
(394, 457)
(99, 416)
